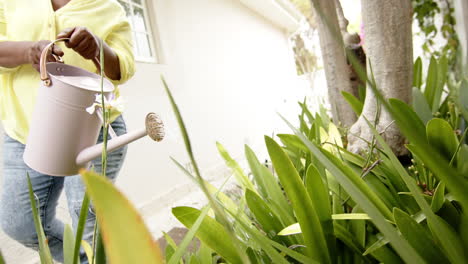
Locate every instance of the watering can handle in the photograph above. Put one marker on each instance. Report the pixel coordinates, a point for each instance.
(42, 63)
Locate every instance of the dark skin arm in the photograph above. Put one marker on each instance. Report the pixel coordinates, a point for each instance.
(16, 53)
(87, 44)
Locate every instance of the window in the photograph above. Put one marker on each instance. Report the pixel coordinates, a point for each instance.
(143, 39)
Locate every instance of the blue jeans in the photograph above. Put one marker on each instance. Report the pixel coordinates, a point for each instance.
(15, 208)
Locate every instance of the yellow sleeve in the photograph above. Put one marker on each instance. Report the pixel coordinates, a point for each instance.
(2, 21)
(3, 33)
(120, 40)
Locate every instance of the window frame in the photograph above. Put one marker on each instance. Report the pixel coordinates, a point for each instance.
(149, 31)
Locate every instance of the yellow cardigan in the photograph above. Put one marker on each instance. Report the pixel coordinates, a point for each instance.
(26, 20)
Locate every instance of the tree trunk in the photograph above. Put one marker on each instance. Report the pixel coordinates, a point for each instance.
(334, 60)
(388, 46)
(461, 14)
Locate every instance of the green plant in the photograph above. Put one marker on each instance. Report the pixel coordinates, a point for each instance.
(407, 222)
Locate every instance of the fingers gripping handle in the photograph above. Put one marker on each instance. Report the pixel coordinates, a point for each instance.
(43, 61)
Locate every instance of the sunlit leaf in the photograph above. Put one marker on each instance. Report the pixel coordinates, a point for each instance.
(87, 249)
(68, 245)
(351, 216)
(109, 203)
(291, 230)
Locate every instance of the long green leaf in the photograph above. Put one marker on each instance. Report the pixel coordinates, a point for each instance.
(80, 228)
(68, 245)
(350, 241)
(44, 251)
(448, 239)
(205, 254)
(431, 82)
(420, 106)
(442, 137)
(210, 232)
(181, 250)
(316, 245)
(351, 216)
(361, 193)
(241, 178)
(355, 104)
(262, 212)
(417, 73)
(320, 198)
(109, 203)
(269, 184)
(384, 254)
(438, 198)
(418, 237)
(441, 78)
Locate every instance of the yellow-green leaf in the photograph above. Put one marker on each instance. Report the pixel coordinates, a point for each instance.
(68, 245)
(120, 224)
(291, 230)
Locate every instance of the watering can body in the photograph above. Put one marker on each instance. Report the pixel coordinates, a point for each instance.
(61, 127)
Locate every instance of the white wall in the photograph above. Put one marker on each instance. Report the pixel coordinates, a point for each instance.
(230, 71)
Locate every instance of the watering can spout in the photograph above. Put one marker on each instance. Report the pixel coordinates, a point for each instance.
(154, 128)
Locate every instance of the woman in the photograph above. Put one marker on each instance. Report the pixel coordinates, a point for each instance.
(26, 27)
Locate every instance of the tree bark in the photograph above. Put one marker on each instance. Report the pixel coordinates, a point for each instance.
(387, 26)
(334, 60)
(461, 15)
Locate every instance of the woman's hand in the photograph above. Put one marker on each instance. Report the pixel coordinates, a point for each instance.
(35, 50)
(85, 43)
(82, 41)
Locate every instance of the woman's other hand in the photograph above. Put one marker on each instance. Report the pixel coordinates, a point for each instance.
(82, 41)
(35, 50)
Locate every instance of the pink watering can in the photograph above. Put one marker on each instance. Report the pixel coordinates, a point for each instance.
(63, 135)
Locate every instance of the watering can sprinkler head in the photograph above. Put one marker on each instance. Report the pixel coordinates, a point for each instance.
(154, 127)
